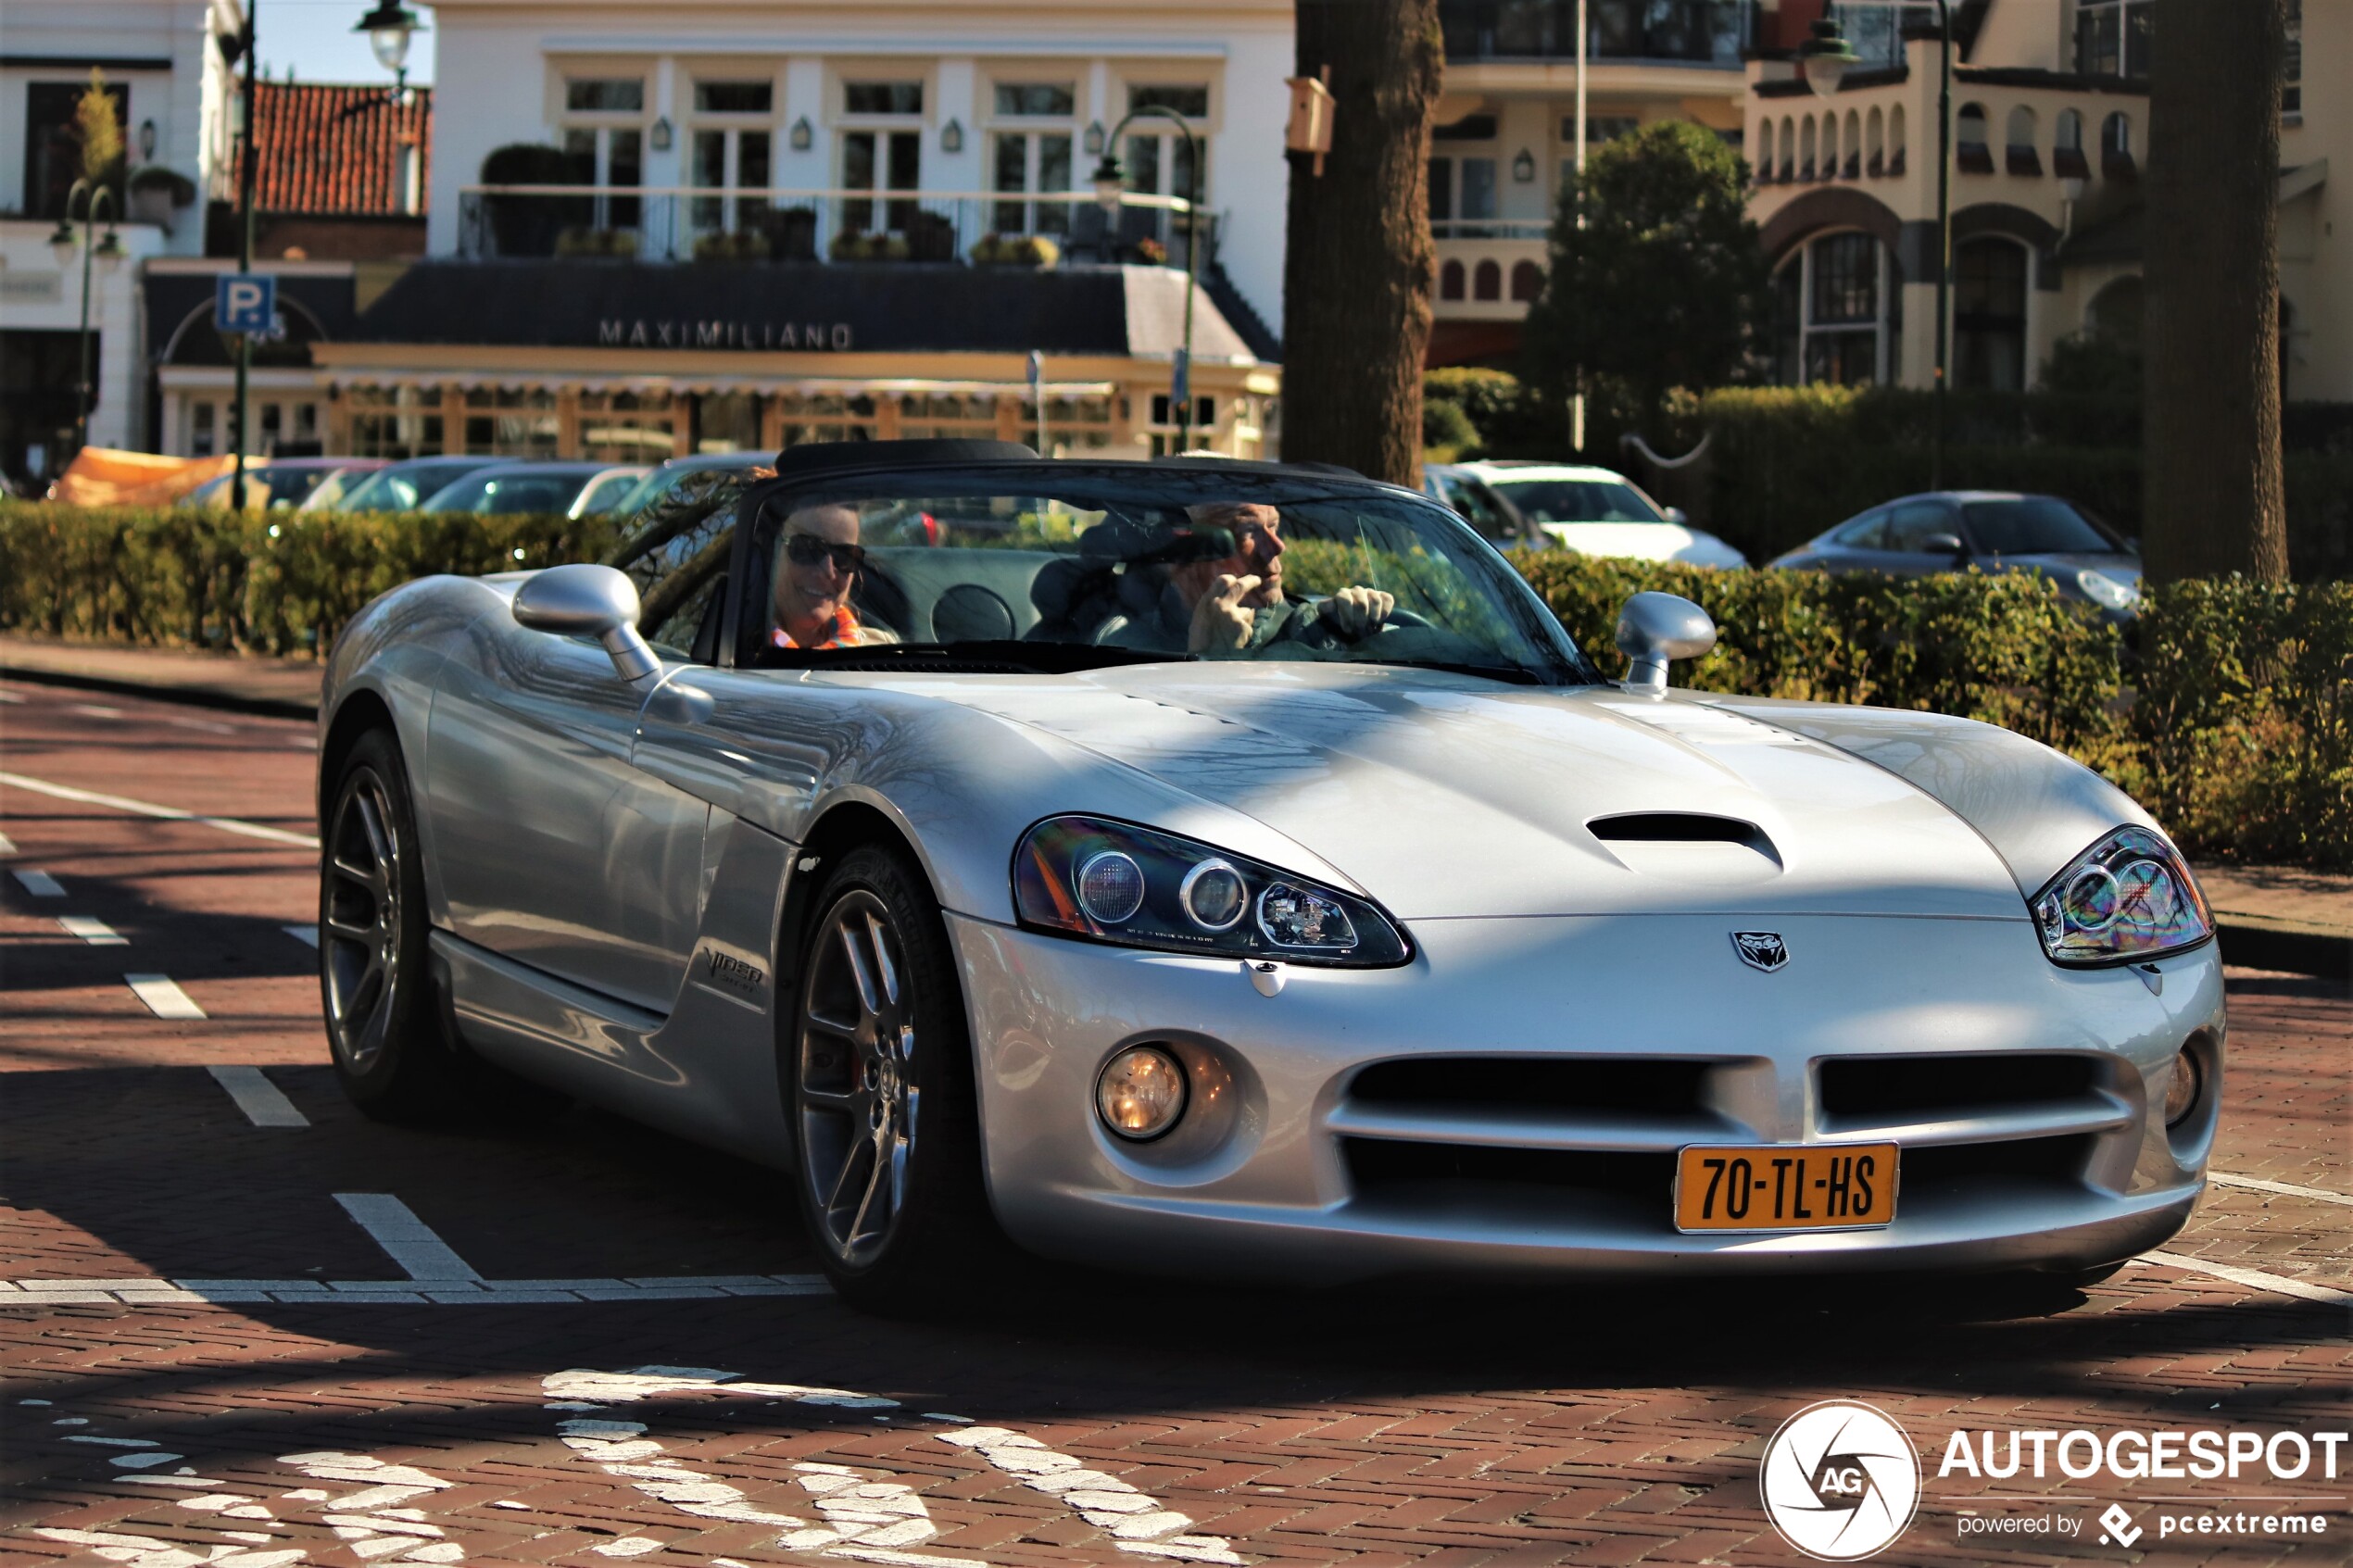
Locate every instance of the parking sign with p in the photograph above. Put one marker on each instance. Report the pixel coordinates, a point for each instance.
(245, 302)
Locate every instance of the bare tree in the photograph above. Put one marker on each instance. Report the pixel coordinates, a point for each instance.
(1358, 259)
(2212, 434)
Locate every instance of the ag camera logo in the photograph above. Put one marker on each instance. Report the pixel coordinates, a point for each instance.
(1841, 1480)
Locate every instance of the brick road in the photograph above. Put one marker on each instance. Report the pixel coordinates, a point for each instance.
(768, 1423)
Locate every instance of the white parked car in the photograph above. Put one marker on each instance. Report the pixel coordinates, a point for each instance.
(1598, 513)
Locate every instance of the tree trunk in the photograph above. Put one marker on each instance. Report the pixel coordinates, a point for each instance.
(1358, 259)
(2213, 500)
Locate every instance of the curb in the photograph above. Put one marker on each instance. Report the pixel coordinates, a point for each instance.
(193, 697)
(2290, 950)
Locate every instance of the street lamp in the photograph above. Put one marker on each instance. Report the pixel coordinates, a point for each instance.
(1110, 189)
(388, 27)
(93, 198)
(1826, 55)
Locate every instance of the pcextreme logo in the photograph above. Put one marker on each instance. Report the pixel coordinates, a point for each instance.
(1841, 1480)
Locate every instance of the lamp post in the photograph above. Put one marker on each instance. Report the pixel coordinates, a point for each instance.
(1826, 55)
(93, 198)
(389, 28)
(249, 162)
(1111, 182)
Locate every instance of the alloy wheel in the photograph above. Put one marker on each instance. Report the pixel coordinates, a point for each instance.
(360, 920)
(856, 1090)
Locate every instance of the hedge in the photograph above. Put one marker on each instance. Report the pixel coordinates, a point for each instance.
(2228, 713)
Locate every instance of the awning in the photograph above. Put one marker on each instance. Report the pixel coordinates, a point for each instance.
(350, 376)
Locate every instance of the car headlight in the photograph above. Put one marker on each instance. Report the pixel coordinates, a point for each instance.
(2108, 592)
(2126, 899)
(1134, 887)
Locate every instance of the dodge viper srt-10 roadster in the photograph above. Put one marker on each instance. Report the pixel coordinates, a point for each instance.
(1233, 868)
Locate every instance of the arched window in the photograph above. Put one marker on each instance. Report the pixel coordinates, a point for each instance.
(1837, 312)
(1989, 314)
(1970, 154)
(1875, 144)
(1528, 280)
(1805, 149)
(2115, 147)
(2020, 155)
(1895, 140)
(1852, 169)
(2067, 147)
(1450, 281)
(1765, 152)
(1487, 280)
(1789, 150)
(1828, 168)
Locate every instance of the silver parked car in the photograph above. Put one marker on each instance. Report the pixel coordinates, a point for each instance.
(1230, 868)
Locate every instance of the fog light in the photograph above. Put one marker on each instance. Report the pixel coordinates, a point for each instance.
(1111, 886)
(1141, 1093)
(2182, 1088)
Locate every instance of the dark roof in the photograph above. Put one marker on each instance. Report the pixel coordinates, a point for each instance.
(327, 147)
(786, 305)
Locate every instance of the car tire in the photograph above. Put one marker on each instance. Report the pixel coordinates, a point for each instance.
(375, 979)
(887, 1159)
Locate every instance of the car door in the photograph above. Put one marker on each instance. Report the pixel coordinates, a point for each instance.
(1910, 525)
(552, 849)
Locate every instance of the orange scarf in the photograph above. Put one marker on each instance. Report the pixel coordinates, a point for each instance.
(847, 633)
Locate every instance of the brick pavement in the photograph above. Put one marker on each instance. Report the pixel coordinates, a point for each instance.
(1443, 1427)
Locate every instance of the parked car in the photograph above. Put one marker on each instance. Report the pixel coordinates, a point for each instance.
(1401, 938)
(687, 477)
(1478, 503)
(279, 483)
(1598, 513)
(396, 487)
(574, 489)
(1992, 531)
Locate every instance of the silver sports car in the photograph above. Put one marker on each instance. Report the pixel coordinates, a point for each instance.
(1233, 868)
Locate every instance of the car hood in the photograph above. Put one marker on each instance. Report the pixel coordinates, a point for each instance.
(1445, 797)
(1644, 541)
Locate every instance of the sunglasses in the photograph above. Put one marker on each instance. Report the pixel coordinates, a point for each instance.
(807, 549)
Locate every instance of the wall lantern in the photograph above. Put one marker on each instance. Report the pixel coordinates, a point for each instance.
(659, 137)
(1093, 140)
(803, 137)
(1524, 168)
(952, 138)
(146, 140)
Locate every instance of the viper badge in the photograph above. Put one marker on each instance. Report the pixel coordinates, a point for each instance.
(1761, 950)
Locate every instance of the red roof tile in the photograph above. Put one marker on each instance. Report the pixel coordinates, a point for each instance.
(331, 148)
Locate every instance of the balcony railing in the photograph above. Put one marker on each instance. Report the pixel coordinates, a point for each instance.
(1710, 33)
(748, 223)
(1490, 227)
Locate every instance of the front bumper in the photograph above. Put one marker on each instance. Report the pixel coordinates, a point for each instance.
(1289, 1166)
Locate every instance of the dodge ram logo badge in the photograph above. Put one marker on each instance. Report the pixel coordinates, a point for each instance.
(1761, 950)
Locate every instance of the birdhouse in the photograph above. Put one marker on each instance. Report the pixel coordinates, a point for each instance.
(1311, 118)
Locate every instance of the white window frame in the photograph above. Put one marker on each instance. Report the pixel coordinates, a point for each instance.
(1883, 299)
(1031, 129)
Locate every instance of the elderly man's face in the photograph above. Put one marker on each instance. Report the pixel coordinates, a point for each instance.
(818, 565)
(1258, 550)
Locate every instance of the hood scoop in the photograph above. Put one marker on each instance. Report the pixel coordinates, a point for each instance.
(1688, 846)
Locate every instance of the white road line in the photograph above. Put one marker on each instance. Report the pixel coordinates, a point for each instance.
(11, 696)
(7, 845)
(403, 1292)
(2279, 1284)
(304, 933)
(164, 813)
(409, 1239)
(1133, 1520)
(40, 885)
(163, 995)
(206, 725)
(97, 932)
(264, 1104)
(94, 710)
(2290, 1189)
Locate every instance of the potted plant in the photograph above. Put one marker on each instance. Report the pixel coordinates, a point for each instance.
(155, 191)
(745, 245)
(527, 225)
(857, 246)
(1016, 250)
(620, 244)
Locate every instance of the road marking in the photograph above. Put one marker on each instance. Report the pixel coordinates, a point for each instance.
(303, 933)
(2290, 1189)
(7, 845)
(409, 1240)
(370, 1522)
(206, 725)
(2279, 1284)
(1133, 1520)
(163, 813)
(40, 885)
(97, 932)
(163, 996)
(11, 696)
(95, 711)
(263, 1103)
(404, 1292)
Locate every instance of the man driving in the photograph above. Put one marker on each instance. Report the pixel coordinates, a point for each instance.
(1235, 603)
(817, 565)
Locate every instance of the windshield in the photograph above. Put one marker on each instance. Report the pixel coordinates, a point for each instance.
(609, 492)
(1062, 567)
(2033, 525)
(1579, 500)
(399, 489)
(506, 490)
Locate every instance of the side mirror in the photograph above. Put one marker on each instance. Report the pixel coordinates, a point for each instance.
(1656, 628)
(1943, 545)
(592, 601)
(1679, 517)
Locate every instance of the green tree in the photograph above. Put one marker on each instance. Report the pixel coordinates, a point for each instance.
(1657, 279)
(97, 124)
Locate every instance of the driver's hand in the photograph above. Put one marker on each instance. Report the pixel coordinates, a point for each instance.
(1221, 621)
(1354, 611)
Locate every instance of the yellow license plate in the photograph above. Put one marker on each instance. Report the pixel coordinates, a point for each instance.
(1780, 1187)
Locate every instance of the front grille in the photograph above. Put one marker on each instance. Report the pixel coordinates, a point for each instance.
(1879, 1090)
(1967, 1169)
(1383, 1172)
(1657, 1086)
